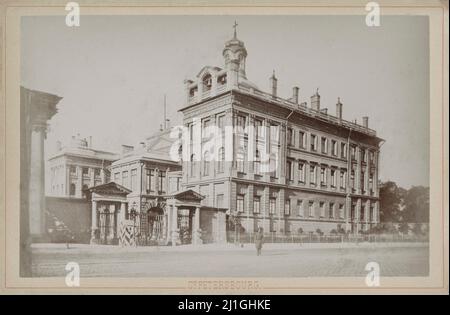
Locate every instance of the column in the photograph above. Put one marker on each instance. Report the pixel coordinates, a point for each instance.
(92, 176)
(175, 231)
(196, 233)
(102, 176)
(250, 197)
(94, 224)
(79, 184)
(282, 155)
(251, 145)
(375, 174)
(67, 182)
(280, 212)
(36, 182)
(357, 215)
(123, 212)
(358, 171)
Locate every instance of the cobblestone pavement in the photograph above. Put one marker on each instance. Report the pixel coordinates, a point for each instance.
(231, 261)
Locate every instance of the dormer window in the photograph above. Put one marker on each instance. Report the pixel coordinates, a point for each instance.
(207, 82)
(192, 91)
(222, 79)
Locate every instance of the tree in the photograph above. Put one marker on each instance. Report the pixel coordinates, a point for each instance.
(390, 202)
(417, 205)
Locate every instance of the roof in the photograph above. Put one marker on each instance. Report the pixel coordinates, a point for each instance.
(110, 188)
(86, 153)
(187, 194)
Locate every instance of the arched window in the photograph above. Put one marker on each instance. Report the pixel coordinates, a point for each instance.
(207, 82)
(72, 189)
(221, 160)
(206, 163)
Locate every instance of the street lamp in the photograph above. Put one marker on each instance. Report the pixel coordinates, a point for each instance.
(133, 215)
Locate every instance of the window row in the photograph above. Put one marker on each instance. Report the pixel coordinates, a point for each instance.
(305, 208)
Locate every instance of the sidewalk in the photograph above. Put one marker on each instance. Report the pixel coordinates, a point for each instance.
(51, 247)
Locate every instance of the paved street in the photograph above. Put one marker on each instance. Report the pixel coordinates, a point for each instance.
(277, 260)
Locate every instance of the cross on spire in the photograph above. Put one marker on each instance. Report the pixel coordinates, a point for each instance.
(235, 26)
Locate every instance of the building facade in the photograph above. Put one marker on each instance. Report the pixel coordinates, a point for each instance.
(76, 167)
(298, 170)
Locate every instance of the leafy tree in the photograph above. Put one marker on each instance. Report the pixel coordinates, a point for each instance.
(417, 205)
(390, 202)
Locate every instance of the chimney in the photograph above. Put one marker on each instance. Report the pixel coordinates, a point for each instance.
(325, 111)
(273, 84)
(295, 94)
(315, 101)
(365, 122)
(339, 109)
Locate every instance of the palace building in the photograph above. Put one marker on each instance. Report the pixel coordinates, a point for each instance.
(287, 166)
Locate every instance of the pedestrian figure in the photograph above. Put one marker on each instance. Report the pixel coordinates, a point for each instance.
(259, 237)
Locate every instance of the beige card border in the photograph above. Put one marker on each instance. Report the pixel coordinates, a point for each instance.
(437, 282)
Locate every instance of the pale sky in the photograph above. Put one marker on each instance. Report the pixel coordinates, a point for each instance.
(113, 72)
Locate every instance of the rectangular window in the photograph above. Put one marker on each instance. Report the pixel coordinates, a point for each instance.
(343, 179)
(221, 122)
(343, 150)
(258, 128)
(205, 131)
(256, 204)
(372, 214)
(341, 211)
(219, 201)
(290, 136)
(289, 171)
(125, 179)
(73, 170)
(311, 209)
(287, 207)
(313, 142)
(331, 211)
(302, 139)
(363, 155)
(362, 182)
(240, 122)
(324, 145)
(334, 147)
(150, 183)
(96, 172)
(322, 209)
(117, 177)
(133, 179)
(313, 174)
(300, 208)
(85, 171)
(240, 203)
(333, 178)
(352, 179)
(272, 205)
(353, 152)
(301, 172)
(162, 182)
(274, 134)
(323, 176)
(362, 213)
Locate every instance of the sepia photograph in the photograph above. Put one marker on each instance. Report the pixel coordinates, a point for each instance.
(231, 146)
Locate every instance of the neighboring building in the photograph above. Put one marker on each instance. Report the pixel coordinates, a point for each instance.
(74, 168)
(325, 169)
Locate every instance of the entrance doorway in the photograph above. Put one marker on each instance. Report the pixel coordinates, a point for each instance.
(185, 225)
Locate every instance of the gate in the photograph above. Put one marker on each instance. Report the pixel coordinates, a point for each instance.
(106, 227)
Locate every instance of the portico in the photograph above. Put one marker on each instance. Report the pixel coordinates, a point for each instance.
(183, 209)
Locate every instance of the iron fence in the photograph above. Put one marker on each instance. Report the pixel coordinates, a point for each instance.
(244, 238)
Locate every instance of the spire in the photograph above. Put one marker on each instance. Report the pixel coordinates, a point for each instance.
(235, 27)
